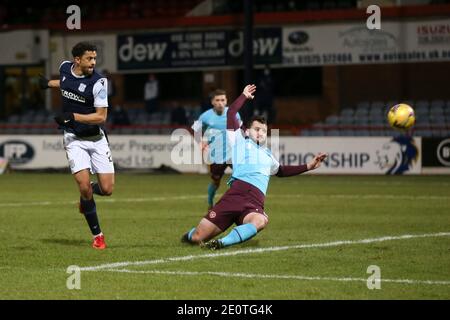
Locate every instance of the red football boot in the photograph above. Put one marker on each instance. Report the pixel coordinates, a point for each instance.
(99, 242)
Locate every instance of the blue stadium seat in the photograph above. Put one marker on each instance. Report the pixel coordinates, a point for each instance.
(332, 119)
(363, 105)
(422, 104)
(377, 105)
(317, 132)
(437, 104)
(305, 132)
(332, 132)
(362, 133)
(347, 133)
(347, 112)
(346, 120)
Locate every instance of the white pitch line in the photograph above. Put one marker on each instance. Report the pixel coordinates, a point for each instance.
(261, 250)
(100, 200)
(275, 276)
(364, 196)
(271, 197)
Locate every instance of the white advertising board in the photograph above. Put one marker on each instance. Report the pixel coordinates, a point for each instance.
(347, 155)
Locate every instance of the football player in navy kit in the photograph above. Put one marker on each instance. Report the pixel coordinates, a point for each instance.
(85, 104)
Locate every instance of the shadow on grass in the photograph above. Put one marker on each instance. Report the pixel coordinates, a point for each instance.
(65, 242)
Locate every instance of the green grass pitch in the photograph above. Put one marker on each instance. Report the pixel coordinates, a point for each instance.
(42, 233)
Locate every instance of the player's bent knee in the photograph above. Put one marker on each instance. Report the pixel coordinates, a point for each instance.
(260, 225)
(107, 189)
(259, 221)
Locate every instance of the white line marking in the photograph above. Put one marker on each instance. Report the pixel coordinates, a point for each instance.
(100, 200)
(272, 197)
(275, 276)
(363, 196)
(261, 250)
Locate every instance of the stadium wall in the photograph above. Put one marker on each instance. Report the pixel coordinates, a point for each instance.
(405, 60)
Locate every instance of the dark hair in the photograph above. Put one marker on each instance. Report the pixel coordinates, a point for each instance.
(259, 119)
(80, 48)
(217, 92)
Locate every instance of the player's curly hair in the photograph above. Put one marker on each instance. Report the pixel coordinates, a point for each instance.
(80, 48)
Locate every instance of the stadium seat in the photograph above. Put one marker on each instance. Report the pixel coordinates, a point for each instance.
(422, 104)
(332, 119)
(13, 118)
(347, 133)
(377, 120)
(305, 132)
(127, 130)
(332, 132)
(376, 113)
(409, 102)
(362, 133)
(346, 120)
(317, 132)
(440, 120)
(362, 120)
(347, 112)
(363, 105)
(422, 110)
(377, 105)
(437, 104)
(423, 133)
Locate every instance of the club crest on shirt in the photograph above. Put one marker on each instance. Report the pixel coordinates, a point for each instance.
(81, 87)
(212, 215)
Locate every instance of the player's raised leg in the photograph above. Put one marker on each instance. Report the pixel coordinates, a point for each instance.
(88, 207)
(104, 185)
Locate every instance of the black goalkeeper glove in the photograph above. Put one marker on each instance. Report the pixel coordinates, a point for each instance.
(43, 82)
(66, 119)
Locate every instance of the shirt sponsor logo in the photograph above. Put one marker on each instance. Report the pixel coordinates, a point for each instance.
(72, 96)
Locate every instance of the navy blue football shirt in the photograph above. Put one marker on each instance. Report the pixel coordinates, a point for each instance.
(82, 94)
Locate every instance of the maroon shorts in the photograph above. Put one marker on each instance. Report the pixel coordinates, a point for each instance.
(241, 199)
(217, 170)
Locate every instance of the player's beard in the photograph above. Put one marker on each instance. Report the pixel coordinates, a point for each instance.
(88, 72)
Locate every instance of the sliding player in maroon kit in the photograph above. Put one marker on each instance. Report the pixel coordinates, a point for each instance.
(243, 203)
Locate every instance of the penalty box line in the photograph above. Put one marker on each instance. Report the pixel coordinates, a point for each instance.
(260, 250)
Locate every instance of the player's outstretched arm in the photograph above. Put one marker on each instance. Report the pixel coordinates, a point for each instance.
(247, 93)
(289, 171)
(99, 117)
(317, 161)
(45, 83)
(53, 83)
